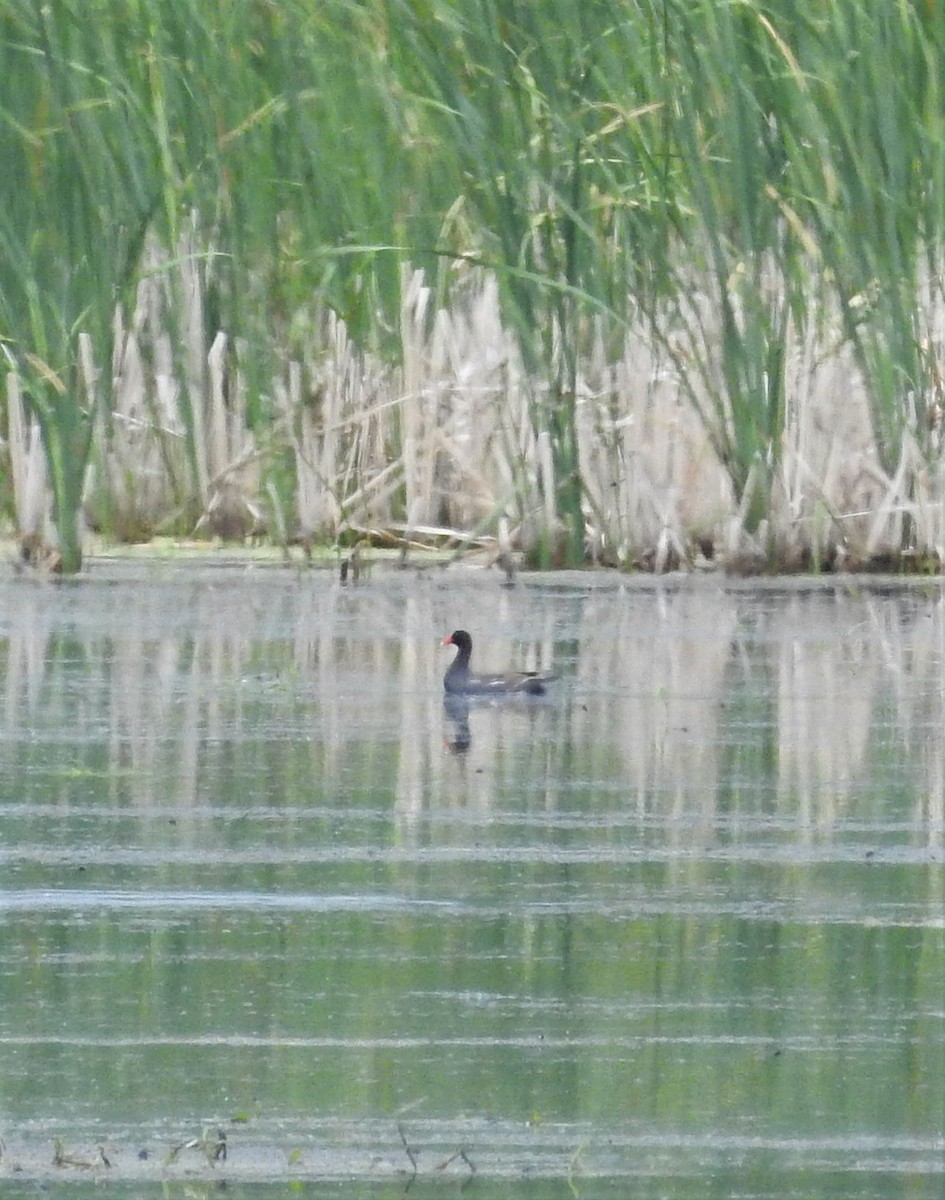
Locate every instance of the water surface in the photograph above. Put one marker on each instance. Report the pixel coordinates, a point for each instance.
(676, 930)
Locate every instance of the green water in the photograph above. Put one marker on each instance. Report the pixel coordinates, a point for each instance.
(677, 930)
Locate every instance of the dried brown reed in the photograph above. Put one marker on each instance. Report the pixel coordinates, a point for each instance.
(28, 466)
(445, 441)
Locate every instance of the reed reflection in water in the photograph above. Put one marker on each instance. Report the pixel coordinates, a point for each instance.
(251, 850)
(663, 687)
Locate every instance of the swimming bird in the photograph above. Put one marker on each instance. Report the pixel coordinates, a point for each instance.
(459, 680)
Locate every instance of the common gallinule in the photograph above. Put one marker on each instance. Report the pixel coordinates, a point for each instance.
(459, 680)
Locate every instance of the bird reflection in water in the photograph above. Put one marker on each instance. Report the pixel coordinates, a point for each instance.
(456, 709)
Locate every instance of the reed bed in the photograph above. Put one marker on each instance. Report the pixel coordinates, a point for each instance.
(541, 269)
(443, 446)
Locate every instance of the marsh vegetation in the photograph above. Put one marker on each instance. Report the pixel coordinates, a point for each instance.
(634, 282)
